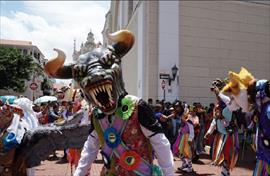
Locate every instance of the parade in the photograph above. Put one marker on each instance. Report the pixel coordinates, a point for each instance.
(105, 121)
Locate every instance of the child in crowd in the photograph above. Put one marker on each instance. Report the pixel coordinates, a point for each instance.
(184, 142)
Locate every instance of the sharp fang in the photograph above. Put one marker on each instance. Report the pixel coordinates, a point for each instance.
(100, 88)
(108, 90)
(97, 89)
(110, 87)
(94, 97)
(94, 90)
(110, 95)
(103, 88)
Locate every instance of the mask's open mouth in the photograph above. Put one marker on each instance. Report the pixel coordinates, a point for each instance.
(102, 95)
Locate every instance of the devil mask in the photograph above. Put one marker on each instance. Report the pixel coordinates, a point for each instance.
(98, 73)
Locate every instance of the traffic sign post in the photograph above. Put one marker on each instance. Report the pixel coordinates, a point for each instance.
(163, 85)
(33, 86)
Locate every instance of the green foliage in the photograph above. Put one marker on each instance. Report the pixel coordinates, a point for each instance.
(46, 86)
(15, 69)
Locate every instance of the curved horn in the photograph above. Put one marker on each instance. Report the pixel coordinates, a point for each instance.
(124, 41)
(54, 67)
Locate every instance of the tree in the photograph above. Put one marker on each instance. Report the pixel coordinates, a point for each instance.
(46, 86)
(15, 69)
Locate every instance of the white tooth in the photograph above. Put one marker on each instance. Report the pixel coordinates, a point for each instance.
(99, 89)
(91, 93)
(110, 95)
(108, 91)
(110, 87)
(103, 88)
(107, 88)
(94, 97)
(94, 90)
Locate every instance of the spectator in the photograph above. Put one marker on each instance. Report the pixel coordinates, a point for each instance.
(163, 119)
(201, 113)
(178, 110)
(68, 110)
(53, 113)
(196, 125)
(184, 142)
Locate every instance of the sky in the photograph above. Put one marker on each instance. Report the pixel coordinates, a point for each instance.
(53, 24)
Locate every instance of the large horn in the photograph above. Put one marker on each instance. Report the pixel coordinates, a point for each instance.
(54, 67)
(123, 40)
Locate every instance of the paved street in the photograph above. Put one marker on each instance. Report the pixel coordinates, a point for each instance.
(201, 168)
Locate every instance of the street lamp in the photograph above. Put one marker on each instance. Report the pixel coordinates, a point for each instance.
(170, 78)
(174, 72)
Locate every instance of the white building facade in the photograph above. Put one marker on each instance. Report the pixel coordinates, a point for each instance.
(204, 39)
(27, 48)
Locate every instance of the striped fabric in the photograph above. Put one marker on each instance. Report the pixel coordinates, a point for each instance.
(184, 148)
(262, 168)
(225, 149)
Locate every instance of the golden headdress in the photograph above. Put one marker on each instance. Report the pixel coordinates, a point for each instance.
(238, 81)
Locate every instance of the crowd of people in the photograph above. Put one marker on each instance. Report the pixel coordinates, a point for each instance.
(32, 115)
(177, 119)
(125, 129)
(199, 126)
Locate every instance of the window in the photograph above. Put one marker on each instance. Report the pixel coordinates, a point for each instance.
(25, 51)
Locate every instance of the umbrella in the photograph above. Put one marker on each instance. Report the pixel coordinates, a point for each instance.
(8, 99)
(45, 99)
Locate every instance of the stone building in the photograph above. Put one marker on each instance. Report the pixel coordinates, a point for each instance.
(27, 48)
(89, 45)
(204, 39)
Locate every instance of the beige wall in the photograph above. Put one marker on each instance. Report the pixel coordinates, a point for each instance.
(130, 61)
(216, 37)
(151, 49)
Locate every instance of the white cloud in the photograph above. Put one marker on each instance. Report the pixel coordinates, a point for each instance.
(50, 24)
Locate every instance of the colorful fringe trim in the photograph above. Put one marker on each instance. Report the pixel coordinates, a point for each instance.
(262, 168)
(181, 147)
(225, 148)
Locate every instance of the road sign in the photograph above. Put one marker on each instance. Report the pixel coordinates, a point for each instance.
(33, 86)
(164, 76)
(163, 84)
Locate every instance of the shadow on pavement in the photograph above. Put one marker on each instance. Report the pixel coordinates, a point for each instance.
(181, 173)
(199, 162)
(248, 161)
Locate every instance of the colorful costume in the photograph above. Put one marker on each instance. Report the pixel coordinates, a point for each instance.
(182, 146)
(251, 93)
(123, 125)
(225, 146)
(23, 144)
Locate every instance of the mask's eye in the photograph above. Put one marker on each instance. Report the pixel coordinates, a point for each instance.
(108, 58)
